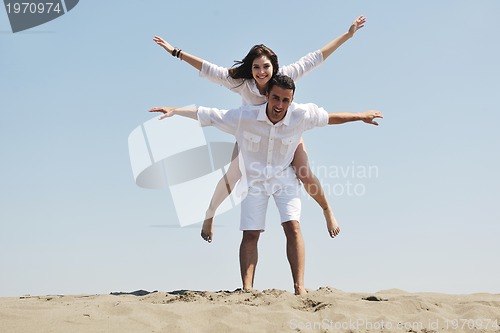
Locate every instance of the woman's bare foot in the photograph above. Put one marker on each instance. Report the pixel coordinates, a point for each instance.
(207, 230)
(331, 223)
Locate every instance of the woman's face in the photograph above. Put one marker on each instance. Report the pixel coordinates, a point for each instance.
(262, 71)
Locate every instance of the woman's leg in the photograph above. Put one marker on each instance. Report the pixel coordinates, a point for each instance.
(313, 187)
(224, 187)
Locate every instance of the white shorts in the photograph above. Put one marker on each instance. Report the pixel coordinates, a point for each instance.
(254, 206)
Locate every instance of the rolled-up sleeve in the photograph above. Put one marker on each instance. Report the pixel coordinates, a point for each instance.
(218, 74)
(224, 120)
(315, 116)
(303, 66)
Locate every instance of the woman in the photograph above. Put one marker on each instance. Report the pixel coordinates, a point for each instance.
(249, 78)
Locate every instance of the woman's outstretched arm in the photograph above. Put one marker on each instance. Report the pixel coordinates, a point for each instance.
(312, 60)
(178, 53)
(329, 48)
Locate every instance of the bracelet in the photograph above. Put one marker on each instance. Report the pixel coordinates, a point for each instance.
(175, 52)
(179, 54)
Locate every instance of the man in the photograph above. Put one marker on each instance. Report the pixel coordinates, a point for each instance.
(267, 137)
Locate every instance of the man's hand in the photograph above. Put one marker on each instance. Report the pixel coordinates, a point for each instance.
(356, 25)
(167, 111)
(370, 115)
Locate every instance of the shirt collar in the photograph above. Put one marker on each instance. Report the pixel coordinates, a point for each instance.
(262, 116)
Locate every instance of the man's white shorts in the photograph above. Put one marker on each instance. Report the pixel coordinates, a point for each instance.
(254, 206)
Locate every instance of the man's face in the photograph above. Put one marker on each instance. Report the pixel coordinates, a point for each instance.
(278, 101)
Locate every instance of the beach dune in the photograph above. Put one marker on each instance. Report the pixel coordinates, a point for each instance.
(323, 310)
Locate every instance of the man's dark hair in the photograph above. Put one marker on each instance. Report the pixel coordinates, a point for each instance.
(282, 81)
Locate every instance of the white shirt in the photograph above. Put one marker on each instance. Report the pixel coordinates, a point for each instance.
(247, 88)
(267, 149)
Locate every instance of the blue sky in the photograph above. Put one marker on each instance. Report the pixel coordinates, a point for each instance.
(71, 91)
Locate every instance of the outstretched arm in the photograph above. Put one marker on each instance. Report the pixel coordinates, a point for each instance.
(225, 120)
(170, 111)
(312, 60)
(182, 55)
(329, 48)
(335, 118)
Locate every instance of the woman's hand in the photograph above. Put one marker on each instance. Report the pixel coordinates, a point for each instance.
(163, 43)
(356, 25)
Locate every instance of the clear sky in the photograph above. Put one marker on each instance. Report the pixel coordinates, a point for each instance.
(426, 218)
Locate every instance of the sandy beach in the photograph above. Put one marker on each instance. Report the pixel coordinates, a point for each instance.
(322, 310)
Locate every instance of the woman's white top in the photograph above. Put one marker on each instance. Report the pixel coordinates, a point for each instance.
(247, 88)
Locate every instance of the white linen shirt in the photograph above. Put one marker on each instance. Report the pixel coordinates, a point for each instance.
(267, 149)
(248, 90)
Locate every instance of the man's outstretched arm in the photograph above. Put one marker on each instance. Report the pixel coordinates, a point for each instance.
(335, 118)
(225, 120)
(170, 111)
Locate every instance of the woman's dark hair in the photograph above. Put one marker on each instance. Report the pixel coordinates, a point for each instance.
(243, 69)
(282, 81)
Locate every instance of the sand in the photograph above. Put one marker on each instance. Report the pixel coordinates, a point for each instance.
(322, 310)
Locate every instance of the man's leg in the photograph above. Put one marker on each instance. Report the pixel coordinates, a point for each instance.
(248, 257)
(253, 222)
(295, 251)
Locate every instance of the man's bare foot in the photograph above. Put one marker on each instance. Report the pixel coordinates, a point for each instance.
(331, 223)
(207, 230)
(300, 290)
